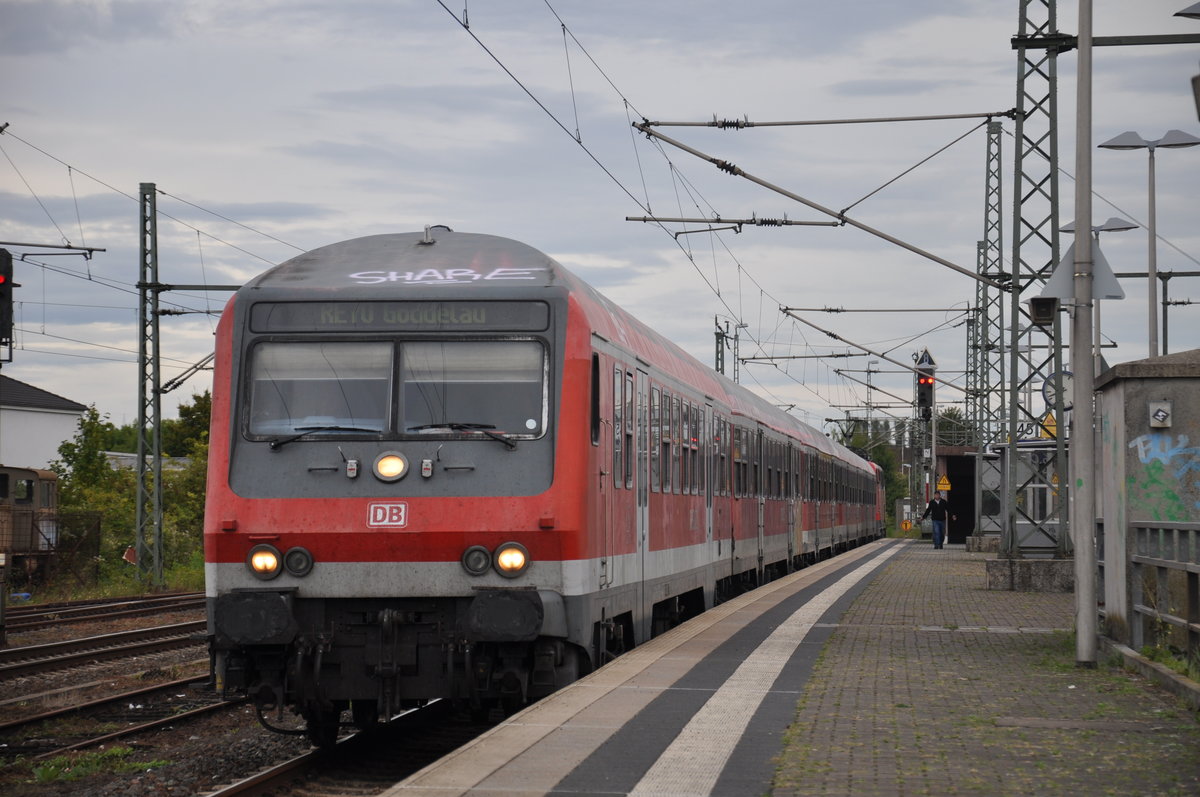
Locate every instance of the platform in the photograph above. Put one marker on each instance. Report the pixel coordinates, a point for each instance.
(888, 670)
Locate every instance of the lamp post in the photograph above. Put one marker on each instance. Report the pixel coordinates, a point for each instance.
(870, 415)
(1174, 139)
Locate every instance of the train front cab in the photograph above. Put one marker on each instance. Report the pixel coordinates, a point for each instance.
(381, 592)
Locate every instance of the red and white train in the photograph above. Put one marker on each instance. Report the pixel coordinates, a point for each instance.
(442, 465)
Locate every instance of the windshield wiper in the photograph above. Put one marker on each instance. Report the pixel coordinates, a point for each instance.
(482, 428)
(307, 430)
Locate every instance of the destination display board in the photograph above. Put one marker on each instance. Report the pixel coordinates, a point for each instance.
(398, 316)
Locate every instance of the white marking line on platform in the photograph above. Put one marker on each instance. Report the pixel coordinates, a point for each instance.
(694, 761)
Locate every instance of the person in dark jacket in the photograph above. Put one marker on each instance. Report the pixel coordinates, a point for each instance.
(938, 509)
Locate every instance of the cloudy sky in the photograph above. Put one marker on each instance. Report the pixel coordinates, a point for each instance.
(273, 127)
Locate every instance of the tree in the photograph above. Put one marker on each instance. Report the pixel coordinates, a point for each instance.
(88, 482)
(83, 463)
(178, 436)
(953, 428)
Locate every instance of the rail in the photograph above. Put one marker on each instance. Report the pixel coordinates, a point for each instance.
(1166, 584)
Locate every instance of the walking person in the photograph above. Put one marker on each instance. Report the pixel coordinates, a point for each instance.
(938, 508)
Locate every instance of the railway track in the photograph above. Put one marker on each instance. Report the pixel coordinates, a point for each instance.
(107, 719)
(365, 763)
(29, 618)
(31, 659)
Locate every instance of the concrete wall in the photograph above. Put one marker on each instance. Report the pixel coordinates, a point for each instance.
(1147, 470)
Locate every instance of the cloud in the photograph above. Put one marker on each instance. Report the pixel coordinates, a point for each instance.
(54, 27)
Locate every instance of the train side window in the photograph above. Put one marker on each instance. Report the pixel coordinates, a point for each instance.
(3, 485)
(677, 439)
(594, 399)
(720, 455)
(735, 459)
(47, 495)
(777, 475)
(618, 432)
(758, 464)
(685, 450)
(665, 441)
(655, 439)
(23, 494)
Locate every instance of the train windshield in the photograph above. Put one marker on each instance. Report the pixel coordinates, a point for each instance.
(298, 386)
(475, 388)
(487, 384)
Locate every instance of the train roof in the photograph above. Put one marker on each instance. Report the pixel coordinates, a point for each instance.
(440, 263)
(425, 263)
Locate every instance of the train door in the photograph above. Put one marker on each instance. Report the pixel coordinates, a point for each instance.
(602, 440)
(760, 477)
(708, 460)
(641, 487)
(790, 498)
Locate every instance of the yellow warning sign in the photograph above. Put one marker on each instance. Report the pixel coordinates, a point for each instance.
(943, 484)
(905, 525)
(1049, 427)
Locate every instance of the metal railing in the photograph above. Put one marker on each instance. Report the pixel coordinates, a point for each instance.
(1166, 585)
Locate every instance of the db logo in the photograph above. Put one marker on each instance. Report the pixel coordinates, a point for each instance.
(392, 515)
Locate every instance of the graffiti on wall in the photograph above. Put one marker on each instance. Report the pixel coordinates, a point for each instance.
(1167, 487)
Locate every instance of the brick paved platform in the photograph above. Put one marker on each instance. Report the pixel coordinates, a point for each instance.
(933, 685)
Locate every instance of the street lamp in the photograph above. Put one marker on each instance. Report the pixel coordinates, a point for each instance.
(1174, 139)
(1113, 224)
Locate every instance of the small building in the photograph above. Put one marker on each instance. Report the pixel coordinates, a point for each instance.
(34, 423)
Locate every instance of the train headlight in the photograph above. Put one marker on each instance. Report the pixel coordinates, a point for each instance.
(476, 560)
(391, 466)
(298, 561)
(263, 561)
(511, 559)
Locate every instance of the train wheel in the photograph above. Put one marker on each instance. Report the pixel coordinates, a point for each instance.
(365, 713)
(322, 727)
(483, 712)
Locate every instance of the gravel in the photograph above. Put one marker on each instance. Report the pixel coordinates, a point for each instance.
(193, 758)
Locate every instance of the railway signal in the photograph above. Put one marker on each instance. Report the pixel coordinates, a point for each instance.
(6, 297)
(924, 368)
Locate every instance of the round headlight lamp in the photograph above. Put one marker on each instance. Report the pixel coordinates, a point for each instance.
(511, 559)
(476, 560)
(264, 561)
(390, 466)
(298, 561)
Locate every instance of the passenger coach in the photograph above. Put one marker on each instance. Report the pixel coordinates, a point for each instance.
(441, 465)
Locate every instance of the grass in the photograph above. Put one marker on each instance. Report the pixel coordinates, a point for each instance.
(66, 768)
(187, 577)
(1188, 667)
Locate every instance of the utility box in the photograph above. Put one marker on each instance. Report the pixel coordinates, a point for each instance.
(1148, 458)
